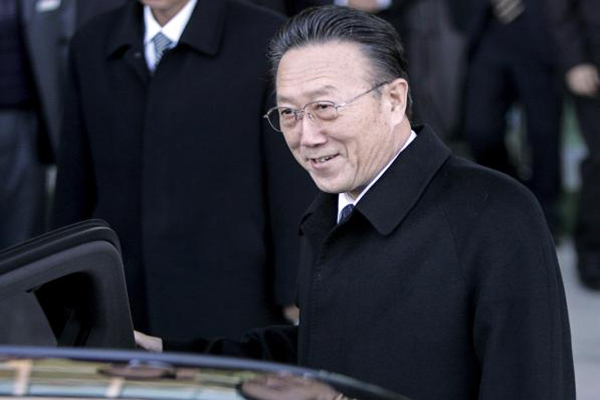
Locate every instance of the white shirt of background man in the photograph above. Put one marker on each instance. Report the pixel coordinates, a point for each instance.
(172, 30)
(382, 4)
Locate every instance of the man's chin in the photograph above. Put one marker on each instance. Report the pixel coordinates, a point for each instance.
(330, 187)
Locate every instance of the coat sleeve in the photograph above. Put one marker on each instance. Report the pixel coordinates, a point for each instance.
(520, 326)
(568, 30)
(276, 343)
(290, 191)
(75, 195)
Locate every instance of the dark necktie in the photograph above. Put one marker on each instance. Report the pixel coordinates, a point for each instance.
(345, 214)
(507, 10)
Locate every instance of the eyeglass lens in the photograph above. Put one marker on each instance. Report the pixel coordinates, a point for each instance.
(287, 118)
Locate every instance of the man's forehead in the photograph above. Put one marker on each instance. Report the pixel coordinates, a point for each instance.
(319, 69)
(289, 96)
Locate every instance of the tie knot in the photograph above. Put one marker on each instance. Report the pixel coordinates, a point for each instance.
(161, 44)
(508, 10)
(345, 214)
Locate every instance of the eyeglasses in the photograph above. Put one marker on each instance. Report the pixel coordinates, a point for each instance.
(286, 118)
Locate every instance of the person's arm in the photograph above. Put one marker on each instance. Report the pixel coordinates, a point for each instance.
(566, 27)
(569, 30)
(75, 195)
(276, 343)
(520, 324)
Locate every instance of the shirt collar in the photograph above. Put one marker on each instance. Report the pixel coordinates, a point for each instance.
(344, 198)
(172, 29)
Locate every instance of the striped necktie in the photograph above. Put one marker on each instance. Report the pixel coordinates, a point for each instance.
(508, 10)
(345, 214)
(161, 45)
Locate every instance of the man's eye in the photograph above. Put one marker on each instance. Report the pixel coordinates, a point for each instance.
(323, 106)
(286, 113)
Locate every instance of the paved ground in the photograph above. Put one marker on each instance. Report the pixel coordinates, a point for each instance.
(584, 313)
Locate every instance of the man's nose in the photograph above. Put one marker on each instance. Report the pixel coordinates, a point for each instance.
(311, 132)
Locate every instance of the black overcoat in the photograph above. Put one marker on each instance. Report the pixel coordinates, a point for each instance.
(442, 284)
(203, 195)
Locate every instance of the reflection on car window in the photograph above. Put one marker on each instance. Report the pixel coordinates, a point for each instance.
(79, 379)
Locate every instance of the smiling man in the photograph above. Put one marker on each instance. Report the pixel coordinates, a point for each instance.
(420, 271)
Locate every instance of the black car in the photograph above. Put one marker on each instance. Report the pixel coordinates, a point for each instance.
(76, 274)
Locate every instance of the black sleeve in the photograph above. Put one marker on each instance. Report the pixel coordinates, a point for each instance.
(520, 317)
(276, 343)
(567, 28)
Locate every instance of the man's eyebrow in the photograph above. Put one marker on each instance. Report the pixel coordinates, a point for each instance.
(322, 91)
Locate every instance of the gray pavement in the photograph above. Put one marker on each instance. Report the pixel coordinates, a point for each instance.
(584, 314)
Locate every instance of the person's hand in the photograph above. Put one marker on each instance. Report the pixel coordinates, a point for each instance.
(147, 342)
(292, 314)
(370, 6)
(288, 387)
(583, 80)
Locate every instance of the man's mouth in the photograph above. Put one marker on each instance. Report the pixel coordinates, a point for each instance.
(321, 160)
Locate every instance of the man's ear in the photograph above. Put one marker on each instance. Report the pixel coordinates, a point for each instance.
(398, 98)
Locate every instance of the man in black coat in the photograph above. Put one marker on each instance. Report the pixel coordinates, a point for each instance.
(420, 272)
(164, 139)
(512, 61)
(576, 25)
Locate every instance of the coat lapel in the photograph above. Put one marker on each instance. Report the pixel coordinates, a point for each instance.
(319, 219)
(391, 198)
(204, 31)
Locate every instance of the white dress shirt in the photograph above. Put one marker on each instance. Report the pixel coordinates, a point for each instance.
(172, 30)
(382, 4)
(344, 198)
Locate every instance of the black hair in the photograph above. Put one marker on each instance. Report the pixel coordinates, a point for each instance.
(377, 39)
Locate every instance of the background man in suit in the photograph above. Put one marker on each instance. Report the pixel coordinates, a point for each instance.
(420, 272)
(164, 139)
(512, 60)
(576, 26)
(34, 36)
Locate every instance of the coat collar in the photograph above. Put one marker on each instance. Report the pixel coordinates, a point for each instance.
(129, 30)
(203, 32)
(393, 196)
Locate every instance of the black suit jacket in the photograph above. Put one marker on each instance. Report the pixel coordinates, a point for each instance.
(203, 195)
(442, 284)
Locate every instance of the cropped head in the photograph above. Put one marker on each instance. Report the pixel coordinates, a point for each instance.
(342, 95)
